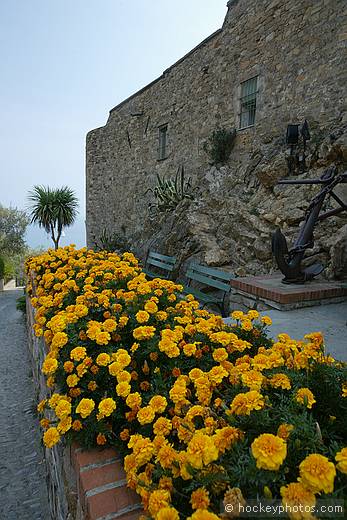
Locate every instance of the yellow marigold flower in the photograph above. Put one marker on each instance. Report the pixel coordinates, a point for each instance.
(284, 431)
(220, 354)
(158, 500)
(134, 400)
(161, 315)
(123, 376)
(151, 307)
(172, 298)
(297, 499)
(195, 373)
(237, 315)
(266, 320)
(269, 451)
(201, 450)
(74, 392)
(123, 389)
(78, 353)
(166, 455)
(59, 340)
(142, 317)
(85, 407)
(103, 359)
(253, 314)
(114, 368)
(253, 379)
(49, 366)
(200, 499)
(216, 375)
(280, 381)
(143, 333)
(107, 406)
(63, 409)
(245, 403)
(41, 405)
(64, 425)
(341, 459)
(145, 415)
(158, 403)
(225, 437)
(305, 397)
(246, 325)
(317, 473)
(189, 349)
(44, 423)
(51, 437)
(203, 514)
(109, 325)
(162, 427)
(168, 513)
(123, 358)
(72, 380)
(102, 338)
(344, 390)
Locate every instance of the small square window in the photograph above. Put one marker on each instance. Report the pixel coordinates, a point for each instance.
(162, 150)
(248, 102)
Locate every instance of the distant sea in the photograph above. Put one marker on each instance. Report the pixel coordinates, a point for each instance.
(37, 237)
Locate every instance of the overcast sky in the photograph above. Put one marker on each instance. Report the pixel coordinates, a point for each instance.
(64, 65)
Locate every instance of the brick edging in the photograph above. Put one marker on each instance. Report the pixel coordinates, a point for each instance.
(101, 486)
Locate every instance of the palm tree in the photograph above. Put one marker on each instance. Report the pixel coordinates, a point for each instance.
(53, 209)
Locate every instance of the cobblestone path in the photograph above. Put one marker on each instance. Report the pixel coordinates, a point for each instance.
(23, 494)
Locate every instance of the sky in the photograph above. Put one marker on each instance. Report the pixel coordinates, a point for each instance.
(64, 65)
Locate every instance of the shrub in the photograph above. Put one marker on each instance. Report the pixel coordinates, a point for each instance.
(2, 268)
(203, 412)
(219, 145)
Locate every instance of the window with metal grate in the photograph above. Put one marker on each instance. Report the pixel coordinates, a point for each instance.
(248, 102)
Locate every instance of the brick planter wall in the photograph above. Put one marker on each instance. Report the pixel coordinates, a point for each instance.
(81, 485)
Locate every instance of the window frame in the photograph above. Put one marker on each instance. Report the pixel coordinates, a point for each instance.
(252, 101)
(162, 145)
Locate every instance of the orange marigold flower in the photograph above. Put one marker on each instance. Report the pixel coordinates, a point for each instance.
(101, 439)
(200, 499)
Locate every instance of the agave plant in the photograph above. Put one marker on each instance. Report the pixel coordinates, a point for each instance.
(169, 192)
(112, 242)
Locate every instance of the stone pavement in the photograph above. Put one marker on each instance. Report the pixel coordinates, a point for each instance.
(329, 319)
(23, 493)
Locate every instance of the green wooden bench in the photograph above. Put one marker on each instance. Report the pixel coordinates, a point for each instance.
(210, 279)
(164, 263)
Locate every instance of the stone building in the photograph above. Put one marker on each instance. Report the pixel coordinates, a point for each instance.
(273, 63)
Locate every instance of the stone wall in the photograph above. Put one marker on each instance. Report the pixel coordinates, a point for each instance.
(296, 51)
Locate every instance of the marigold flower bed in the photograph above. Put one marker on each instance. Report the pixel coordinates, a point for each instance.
(204, 413)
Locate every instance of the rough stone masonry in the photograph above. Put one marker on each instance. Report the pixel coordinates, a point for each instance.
(288, 57)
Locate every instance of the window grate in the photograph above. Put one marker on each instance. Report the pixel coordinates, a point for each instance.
(248, 102)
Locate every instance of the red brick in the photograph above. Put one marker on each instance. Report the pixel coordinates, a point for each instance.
(110, 501)
(93, 478)
(83, 458)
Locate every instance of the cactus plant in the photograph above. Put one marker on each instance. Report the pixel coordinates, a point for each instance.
(169, 192)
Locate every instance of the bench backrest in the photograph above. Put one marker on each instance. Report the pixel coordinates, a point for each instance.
(210, 276)
(167, 263)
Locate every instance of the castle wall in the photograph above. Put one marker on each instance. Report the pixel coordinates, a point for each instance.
(296, 51)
